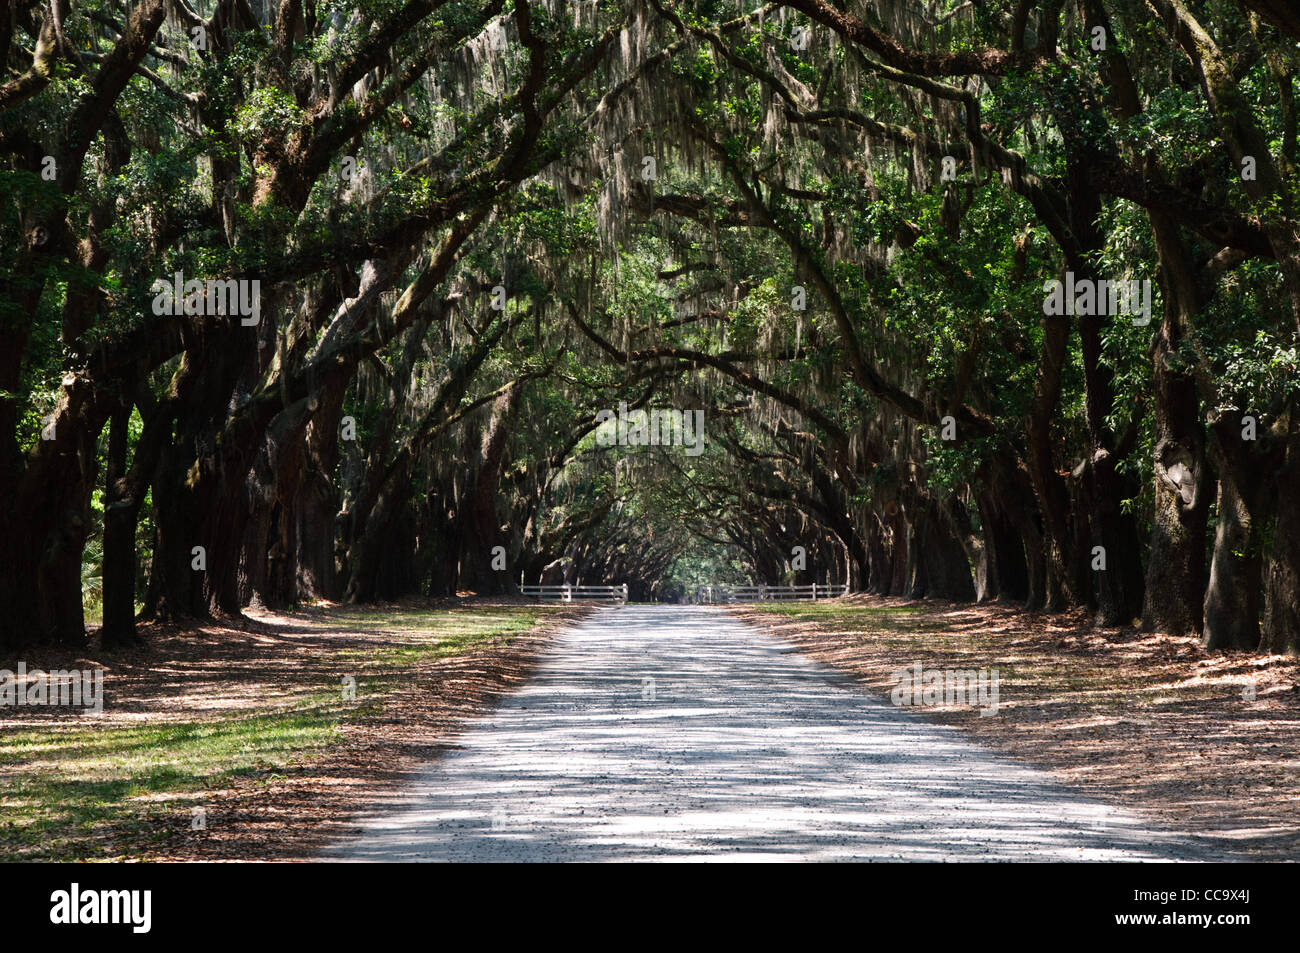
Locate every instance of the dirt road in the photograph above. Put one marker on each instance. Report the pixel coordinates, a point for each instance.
(681, 733)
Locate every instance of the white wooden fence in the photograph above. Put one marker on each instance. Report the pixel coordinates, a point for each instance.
(568, 593)
(809, 593)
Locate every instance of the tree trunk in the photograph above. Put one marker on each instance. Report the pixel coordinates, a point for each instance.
(947, 568)
(1008, 571)
(121, 510)
(898, 551)
(878, 571)
(1281, 635)
(1175, 579)
(318, 500)
(487, 530)
(1059, 590)
(1232, 598)
(1119, 588)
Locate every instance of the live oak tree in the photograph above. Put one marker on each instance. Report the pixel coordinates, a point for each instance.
(830, 227)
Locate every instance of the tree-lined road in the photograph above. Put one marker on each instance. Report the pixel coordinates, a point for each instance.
(739, 748)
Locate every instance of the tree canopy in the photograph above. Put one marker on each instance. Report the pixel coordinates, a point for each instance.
(970, 300)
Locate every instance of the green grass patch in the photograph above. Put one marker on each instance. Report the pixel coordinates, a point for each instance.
(66, 790)
(106, 791)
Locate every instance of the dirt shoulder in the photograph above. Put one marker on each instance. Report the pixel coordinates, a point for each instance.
(243, 743)
(1207, 743)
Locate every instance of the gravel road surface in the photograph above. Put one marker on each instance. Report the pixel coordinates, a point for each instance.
(681, 733)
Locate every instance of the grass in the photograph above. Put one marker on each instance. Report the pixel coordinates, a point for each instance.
(64, 788)
(87, 790)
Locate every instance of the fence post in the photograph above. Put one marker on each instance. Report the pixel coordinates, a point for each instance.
(568, 593)
(814, 592)
(625, 592)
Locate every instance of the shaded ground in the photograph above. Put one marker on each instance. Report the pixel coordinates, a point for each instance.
(249, 725)
(1208, 743)
(252, 727)
(681, 733)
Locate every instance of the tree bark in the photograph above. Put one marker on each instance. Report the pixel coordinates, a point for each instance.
(483, 514)
(1281, 635)
(1175, 579)
(1232, 598)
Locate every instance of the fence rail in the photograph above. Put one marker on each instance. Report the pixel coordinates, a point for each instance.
(567, 593)
(809, 593)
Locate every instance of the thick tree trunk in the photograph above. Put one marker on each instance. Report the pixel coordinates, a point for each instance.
(1176, 567)
(898, 550)
(1175, 579)
(1059, 588)
(398, 575)
(878, 572)
(975, 548)
(443, 579)
(487, 529)
(47, 518)
(947, 567)
(121, 510)
(176, 585)
(201, 510)
(1232, 598)
(318, 499)
(199, 489)
(917, 580)
(1119, 588)
(59, 579)
(255, 565)
(373, 547)
(854, 546)
(58, 496)
(1035, 562)
(1008, 571)
(317, 509)
(270, 567)
(1281, 635)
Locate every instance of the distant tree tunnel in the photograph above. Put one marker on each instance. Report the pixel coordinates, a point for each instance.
(975, 302)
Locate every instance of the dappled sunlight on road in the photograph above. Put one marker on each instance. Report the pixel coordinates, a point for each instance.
(738, 749)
